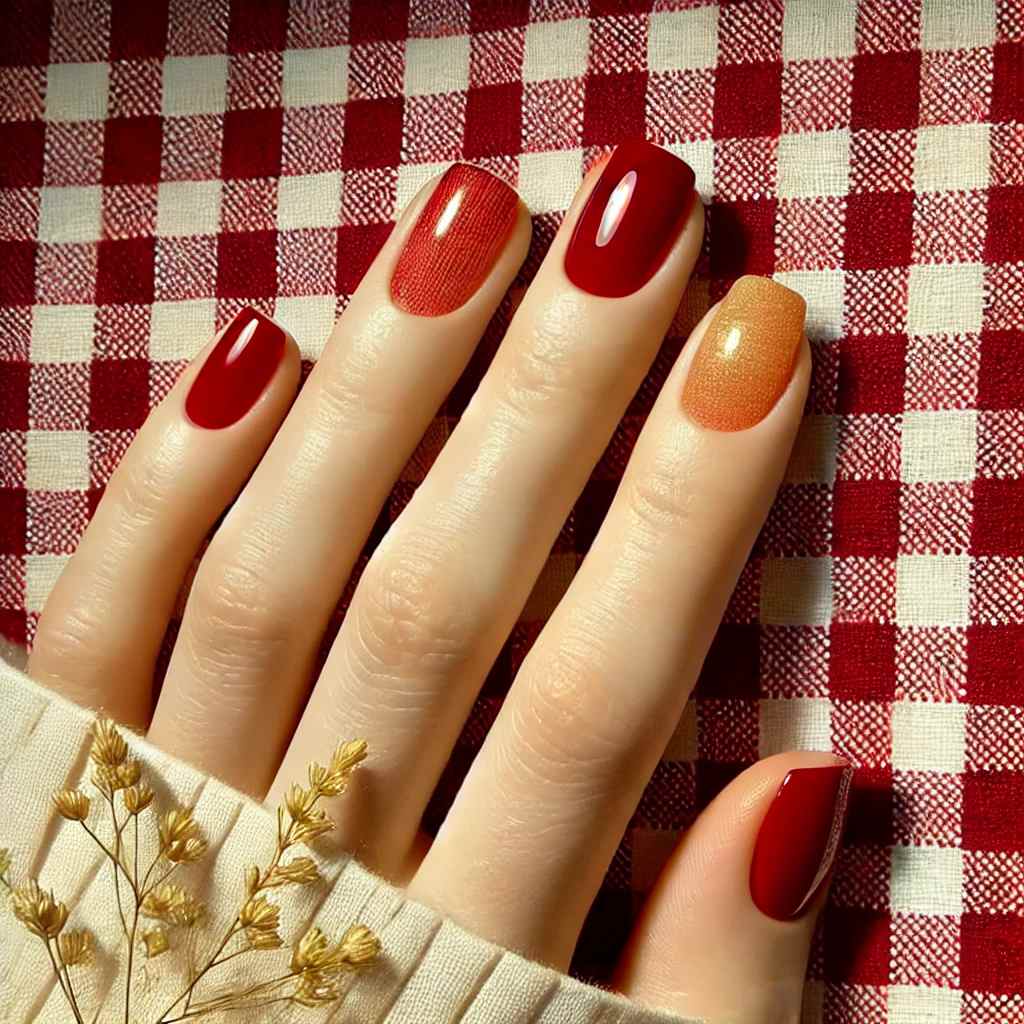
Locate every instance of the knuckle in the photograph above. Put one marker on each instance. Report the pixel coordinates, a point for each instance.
(407, 617)
(565, 728)
(235, 619)
(548, 364)
(144, 489)
(659, 500)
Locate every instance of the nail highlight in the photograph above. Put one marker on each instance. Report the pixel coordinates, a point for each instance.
(799, 839)
(237, 371)
(630, 221)
(746, 358)
(457, 239)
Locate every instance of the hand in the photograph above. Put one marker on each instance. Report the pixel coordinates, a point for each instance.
(530, 836)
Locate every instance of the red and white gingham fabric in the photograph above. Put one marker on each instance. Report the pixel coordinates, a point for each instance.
(163, 162)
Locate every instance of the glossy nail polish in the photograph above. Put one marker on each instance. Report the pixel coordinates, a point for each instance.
(457, 239)
(630, 221)
(798, 839)
(237, 371)
(746, 357)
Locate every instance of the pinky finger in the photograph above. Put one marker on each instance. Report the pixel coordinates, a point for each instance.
(101, 629)
(726, 934)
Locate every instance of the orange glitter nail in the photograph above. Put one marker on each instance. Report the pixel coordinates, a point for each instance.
(746, 357)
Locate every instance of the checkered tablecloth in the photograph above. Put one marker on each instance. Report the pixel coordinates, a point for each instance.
(164, 161)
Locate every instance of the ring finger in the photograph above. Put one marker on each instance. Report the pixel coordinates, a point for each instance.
(598, 696)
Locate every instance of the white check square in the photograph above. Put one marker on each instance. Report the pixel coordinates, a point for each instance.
(933, 590)
(952, 157)
(927, 880)
(945, 299)
(195, 85)
(188, 208)
(436, 65)
(178, 330)
(309, 200)
(316, 77)
(683, 40)
(939, 447)
(62, 334)
(556, 49)
(77, 92)
(70, 214)
(57, 460)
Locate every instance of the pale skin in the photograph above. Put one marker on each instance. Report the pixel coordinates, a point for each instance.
(526, 844)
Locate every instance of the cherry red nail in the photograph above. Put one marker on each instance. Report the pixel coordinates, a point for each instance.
(799, 839)
(457, 239)
(631, 220)
(237, 371)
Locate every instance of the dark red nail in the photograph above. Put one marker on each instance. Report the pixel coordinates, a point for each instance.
(236, 371)
(631, 220)
(455, 243)
(798, 840)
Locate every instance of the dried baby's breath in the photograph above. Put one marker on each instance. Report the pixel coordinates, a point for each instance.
(39, 911)
(144, 892)
(76, 948)
(298, 871)
(172, 904)
(109, 749)
(72, 804)
(137, 798)
(155, 941)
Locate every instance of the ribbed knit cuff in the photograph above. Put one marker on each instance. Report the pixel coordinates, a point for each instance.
(430, 972)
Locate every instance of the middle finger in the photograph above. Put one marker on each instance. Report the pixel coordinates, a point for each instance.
(442, 592)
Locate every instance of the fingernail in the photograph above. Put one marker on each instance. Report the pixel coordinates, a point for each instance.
(798, 840)
(746, 357)
(631, 220)
(237, 371)
(455, 243)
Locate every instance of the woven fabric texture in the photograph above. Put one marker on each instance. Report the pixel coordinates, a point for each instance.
(162, 163)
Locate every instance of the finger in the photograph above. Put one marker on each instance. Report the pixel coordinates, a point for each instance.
(101, 629)
(725, 935)
(272, 576)
(444, 589)
(600, 693)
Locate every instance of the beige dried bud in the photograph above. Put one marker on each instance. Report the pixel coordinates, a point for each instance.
(258, 914)
(76, 948)
(72, 804)
(39, 911)
(359, 947)
(106, 780)
(172, 904)
(300, 802)
(315, 824)
(264, 940)
(109, 748)
(252, 880)
(177, 827)
(5, 861)
(186, 851)
(332, 780)
(137, 798)
(300, 871)
(314, 989)
(155, 940)
(128, 774)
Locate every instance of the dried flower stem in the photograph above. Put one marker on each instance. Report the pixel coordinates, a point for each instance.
(64, 980)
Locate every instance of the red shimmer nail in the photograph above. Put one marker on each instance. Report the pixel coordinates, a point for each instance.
(631, 220)
(236, 372)
(798, 840)
(455, 243)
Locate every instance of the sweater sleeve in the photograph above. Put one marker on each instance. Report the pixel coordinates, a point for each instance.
(430, 970)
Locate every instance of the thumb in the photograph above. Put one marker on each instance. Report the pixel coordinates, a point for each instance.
(726, 933)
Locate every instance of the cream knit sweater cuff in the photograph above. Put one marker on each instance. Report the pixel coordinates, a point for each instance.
(431, 971)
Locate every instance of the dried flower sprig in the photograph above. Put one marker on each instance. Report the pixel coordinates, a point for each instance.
(145, 892)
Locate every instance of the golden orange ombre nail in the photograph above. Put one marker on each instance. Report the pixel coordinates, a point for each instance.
(746, 357)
